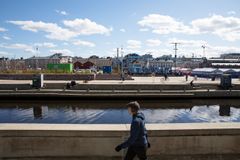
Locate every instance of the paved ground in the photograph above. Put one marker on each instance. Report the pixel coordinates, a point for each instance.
(137, 80)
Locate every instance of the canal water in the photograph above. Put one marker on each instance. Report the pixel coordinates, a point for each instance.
(115, 112)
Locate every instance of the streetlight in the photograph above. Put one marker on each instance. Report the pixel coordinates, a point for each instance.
(203, 47)
(36, 60)
(122, 76)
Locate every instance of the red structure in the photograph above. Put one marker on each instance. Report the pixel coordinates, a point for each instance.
(77, 65)
(87, 65)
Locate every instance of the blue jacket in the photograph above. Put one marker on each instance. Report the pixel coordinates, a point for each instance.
(138, 132)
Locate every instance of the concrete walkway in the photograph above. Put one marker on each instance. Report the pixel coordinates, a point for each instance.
(137, 80)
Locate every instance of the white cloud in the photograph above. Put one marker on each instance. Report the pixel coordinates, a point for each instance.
(24, 47)
(63, 51)
(61, 12)
(6, 38)
(153, 42)
(86, 27)
(3, 53)
(231, 12)
(227, 28)
(3, 29)
(122, 30)
(45, 45)
(84, 43)
(182, 42)
(75, 28)
(223, 49)
(154, 52)
(188, 47)
(55, 32)
(143, 29)
(158, 52)
(163, 24)
(133, 44)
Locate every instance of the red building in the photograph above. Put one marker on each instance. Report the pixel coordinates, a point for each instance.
(87, 65)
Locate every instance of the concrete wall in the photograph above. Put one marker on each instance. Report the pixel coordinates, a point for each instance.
(63, 76)
(85, 86)
(131, 87)
(47, 76)
(25, 86)
(217, 141)
(120, 86)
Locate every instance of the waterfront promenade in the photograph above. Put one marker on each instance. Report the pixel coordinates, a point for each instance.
(136, 80)
(139, 88)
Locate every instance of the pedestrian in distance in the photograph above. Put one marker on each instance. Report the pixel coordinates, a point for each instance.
(165, 76)
(191, 83)
(137, 143)
(186, 76)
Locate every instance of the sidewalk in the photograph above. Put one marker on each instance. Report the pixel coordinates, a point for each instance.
(137, 80)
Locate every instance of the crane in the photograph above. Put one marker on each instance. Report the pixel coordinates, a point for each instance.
(204, 47)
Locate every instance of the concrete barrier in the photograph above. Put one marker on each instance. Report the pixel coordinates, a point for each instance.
(62, 76)
(25, 86)
(131, 87)
(59, 76)
(196, 141)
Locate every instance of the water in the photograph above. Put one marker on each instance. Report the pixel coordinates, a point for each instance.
(114, 112)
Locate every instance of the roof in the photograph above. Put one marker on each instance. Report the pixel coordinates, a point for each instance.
(215, 70)
(97, 62)
(54, 56)
(223, 59)
(226, 64)
(225, 69)
(236, 70)
(204, 69)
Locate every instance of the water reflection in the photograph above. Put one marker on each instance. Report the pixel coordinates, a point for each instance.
(37, 112)
(116, 113)
(224, 110)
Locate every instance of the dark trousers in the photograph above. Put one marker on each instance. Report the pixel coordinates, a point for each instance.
(140, 152)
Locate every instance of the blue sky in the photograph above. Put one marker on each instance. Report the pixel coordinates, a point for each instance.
(98, 27)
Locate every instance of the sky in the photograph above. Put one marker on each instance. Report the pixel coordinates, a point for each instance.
(97, 27)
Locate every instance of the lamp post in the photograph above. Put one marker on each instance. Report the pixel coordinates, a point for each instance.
(122, 75)
(204, 47)
(36, 60)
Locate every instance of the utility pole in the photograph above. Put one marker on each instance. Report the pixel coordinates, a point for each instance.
(14, 63)
(204, 47)
(175, 56)
(36, 60)
(118, 62)
(122, 62)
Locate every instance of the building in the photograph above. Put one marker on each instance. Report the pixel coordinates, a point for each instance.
(214, 72)
(136, 67)
(84, 65)
(92, 62)
(221, 63)
(160, 66)
(192, 63)
(62, 67)
(4, 64)
(230, 60)
(146, 64)
(12, 64)
(230, 56)
(42, 62)
(131, 62)
(206, 72)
